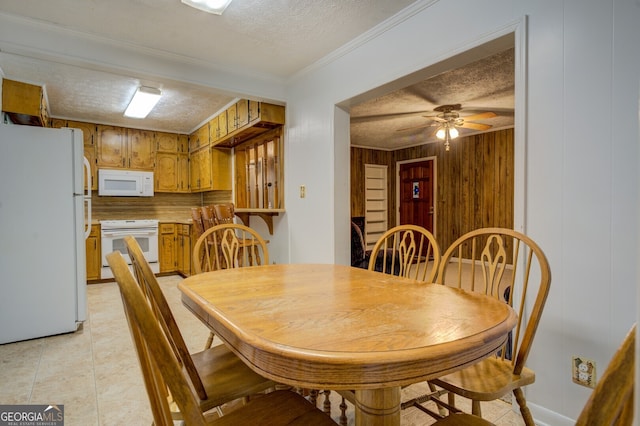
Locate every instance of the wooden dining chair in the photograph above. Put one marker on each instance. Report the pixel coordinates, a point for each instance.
(223, 213)
(217, 375)
(208, 217)
(228, 245)
(232, 245)
(509, 266)
(610, 403)
(163, 369)
(407, 250)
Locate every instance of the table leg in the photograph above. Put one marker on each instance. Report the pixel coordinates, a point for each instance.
(377, 407)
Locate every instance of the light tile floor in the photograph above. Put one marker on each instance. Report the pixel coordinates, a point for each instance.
(95, 374)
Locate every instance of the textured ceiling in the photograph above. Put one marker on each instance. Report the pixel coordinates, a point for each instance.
(397, 120)
(269, 39)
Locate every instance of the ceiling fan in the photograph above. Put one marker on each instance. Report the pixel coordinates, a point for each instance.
(448, 120)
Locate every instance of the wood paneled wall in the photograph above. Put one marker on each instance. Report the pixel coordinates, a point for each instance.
(474, 185)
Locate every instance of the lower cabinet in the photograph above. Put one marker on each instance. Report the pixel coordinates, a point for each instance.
(183, 252)
(93, 253)
(167, 252)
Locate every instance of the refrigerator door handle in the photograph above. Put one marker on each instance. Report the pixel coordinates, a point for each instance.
(87, 197)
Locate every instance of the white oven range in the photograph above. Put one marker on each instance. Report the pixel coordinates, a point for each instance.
(145, 231)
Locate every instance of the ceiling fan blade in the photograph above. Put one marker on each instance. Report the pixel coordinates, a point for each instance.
(481, 116)
(475, 126)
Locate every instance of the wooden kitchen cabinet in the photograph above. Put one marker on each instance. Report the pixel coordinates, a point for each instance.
(119, 147)
(172, 162)
(199, 138)
(25, 103)
(141, 149)
(183, 249)
(93, 253)
(111, 149)
(218, 127)
(171, 142)
(238, 115)
(89, 138)
(167, 249)
(250, 119)
(221, 169)
(171, 172)
(200, 170)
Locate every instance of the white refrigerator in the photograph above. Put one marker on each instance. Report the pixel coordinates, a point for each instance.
(45, 217)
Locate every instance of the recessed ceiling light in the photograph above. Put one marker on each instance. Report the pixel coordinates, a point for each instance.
(142, 102)
(211, 6)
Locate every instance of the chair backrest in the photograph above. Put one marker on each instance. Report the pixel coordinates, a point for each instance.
(505, 264)
(223, 213)
(198, 225)
(160, 367)
(611, 402)
(229, 245)
(208, 217)
(407, 250)
(160, 307)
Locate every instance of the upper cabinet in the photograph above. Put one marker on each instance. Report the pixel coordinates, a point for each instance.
(244, 120)
(25, 103)
(125, 148)
(89, 138)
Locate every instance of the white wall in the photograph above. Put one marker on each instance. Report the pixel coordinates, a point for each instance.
(581, 201)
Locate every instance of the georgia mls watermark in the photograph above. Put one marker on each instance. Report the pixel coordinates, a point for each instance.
(31, 415)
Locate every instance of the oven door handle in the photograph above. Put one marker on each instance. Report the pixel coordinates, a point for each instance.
(133, 233)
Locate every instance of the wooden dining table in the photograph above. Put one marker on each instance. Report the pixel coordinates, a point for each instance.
(323, 326)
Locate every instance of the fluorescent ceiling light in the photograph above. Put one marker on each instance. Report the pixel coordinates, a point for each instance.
(142, 102)
(211, 6)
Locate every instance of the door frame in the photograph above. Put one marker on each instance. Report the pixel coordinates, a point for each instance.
(435, 188)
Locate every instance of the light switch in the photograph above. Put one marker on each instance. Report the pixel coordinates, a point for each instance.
(303, 191)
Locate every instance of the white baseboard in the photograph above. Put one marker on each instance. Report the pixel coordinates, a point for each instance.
(545, 417)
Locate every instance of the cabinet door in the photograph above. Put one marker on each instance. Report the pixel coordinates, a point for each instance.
(222, 124)
(194, 170)
(166, 172)
(93, 253)
(205, 169)
(111, 147)
(242, 112)
(167, 249)
(199, 138)
(183, 173)
(183, 144)
(167, 142)
(88, 131)
(141, 150)
(254, 111)
(221, 168)
(214, 129)
(232, 118)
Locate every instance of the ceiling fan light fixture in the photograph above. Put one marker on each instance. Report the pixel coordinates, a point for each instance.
(142, 102)
(210, 6)
(447, 130)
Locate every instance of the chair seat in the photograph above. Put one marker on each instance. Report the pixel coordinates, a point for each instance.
(487, 380)
(225, 377)
(276, 408)
(462, 419)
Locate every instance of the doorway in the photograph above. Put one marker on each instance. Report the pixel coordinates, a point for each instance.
(416, 190)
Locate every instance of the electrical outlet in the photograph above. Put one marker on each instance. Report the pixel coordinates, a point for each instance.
(583, 371)
(303, 191)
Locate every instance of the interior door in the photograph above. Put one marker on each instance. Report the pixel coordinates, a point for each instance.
(416, 194)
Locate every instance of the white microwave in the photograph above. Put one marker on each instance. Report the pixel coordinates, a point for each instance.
(125, 183)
